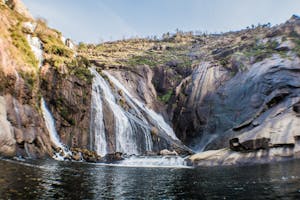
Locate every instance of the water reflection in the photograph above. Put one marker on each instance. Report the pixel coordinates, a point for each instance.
(62, 180)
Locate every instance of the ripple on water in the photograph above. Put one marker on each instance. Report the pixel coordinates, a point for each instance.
(48, 179)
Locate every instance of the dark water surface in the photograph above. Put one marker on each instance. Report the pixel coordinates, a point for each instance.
(50, 179)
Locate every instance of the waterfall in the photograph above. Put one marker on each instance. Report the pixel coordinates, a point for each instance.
(155, 118)
(125, 132)
(36, 46)
(97, 128)
(50, 124)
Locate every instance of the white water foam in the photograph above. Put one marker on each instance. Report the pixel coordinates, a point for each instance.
(97, 128)
(151, 162)
(36, 46)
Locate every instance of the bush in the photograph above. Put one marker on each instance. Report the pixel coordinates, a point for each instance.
(166, 97)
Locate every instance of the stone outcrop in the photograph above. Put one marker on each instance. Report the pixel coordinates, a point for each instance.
(23, 132)
(138, 82)
(228, 157)
(7, 142)
(270, 90)
(29, 131)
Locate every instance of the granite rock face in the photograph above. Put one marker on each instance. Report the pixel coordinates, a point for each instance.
(259, 104)
(69, 99)
(7, 142)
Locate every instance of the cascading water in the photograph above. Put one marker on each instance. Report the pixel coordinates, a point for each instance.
(97, 128)
(155, 118)
(36, 46)
(125, 134)
(130, 125)
(50, 124)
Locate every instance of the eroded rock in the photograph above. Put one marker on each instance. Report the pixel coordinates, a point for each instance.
(7, 141)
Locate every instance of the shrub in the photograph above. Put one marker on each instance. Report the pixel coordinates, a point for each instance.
(166, 97)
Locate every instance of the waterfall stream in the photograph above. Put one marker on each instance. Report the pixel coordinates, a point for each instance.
(132, 119)
(125, 134)
(155, 118)
(97, 128)
(50, 124)
(36, 47)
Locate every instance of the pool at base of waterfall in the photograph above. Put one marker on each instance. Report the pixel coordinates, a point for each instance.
(50, 179)
(151, 161)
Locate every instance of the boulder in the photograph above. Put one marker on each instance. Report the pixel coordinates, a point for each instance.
(228, 157)
(113, 157)
(7, 141)
(166, 152)
(76, 156)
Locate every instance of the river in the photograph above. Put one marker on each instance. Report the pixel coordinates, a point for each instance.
(50, 179)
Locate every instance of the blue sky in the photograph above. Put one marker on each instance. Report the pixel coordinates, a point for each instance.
(103, 20)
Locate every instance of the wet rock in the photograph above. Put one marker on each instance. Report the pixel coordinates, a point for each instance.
(76, 156)
(90, 156)
(113, 157)
(151, 153)
(87, 155)
(166, 152)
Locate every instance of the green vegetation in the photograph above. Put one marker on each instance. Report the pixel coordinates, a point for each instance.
(261, 51)
(66, 115)
(56, 53)
(30, 79)
(20, 42)
(166, 97)
(138, 52)
(79, 67)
